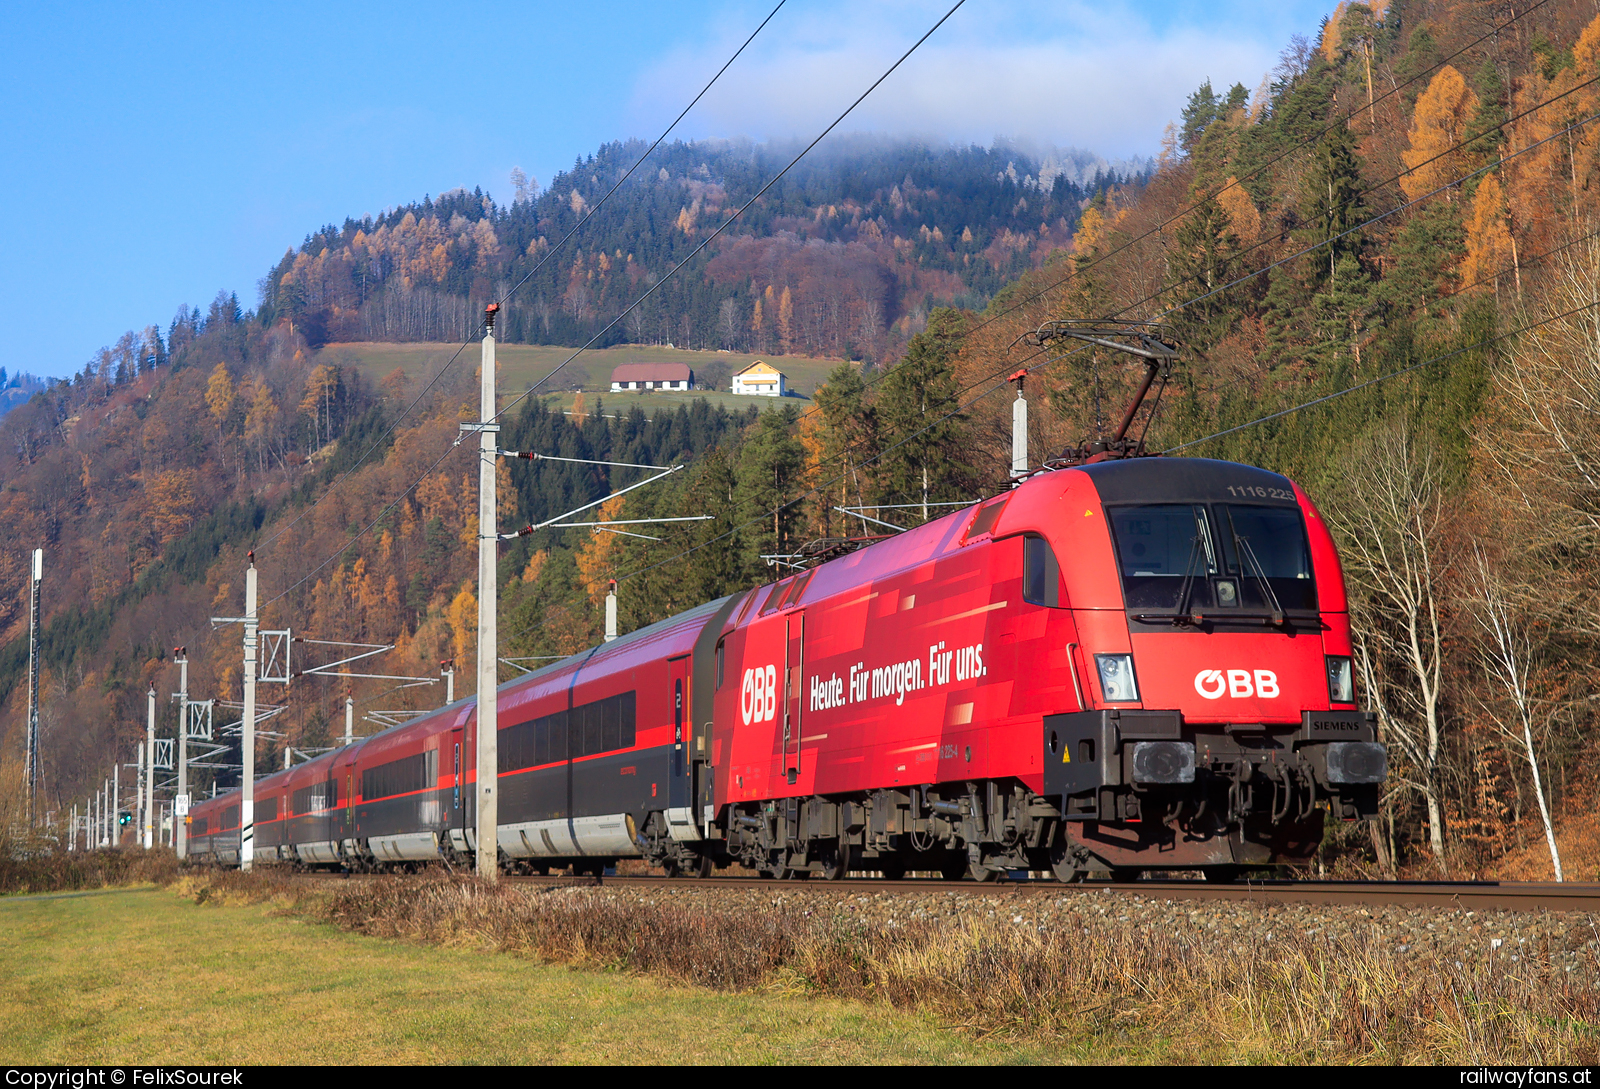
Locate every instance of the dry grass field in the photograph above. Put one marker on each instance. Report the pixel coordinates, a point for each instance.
(224, 967)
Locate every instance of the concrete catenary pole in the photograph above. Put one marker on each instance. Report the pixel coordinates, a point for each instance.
(31, 770)
(116, 802)
(150, 773)
(140, 758)
(247, 777)
(180, 824)
(488, 810)
(349, 720)
(72, 829)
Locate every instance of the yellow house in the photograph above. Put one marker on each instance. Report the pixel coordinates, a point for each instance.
(760, 379)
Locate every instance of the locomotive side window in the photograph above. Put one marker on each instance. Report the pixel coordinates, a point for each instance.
(1041, 574)
(721, 645)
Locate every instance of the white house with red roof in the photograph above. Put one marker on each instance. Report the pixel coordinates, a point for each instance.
(642, 376)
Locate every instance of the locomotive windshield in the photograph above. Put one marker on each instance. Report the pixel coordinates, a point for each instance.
(1188, 557)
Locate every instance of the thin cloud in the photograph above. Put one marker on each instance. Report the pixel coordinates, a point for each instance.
(1100, 78)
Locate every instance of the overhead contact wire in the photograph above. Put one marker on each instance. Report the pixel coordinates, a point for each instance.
(837, 121)
(477, 332)
(735, 216)
(1454, 148)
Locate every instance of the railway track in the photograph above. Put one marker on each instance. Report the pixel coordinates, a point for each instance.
(1468, 895)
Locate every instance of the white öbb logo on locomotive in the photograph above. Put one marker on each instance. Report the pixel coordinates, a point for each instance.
(1238, 683)
(758, 696)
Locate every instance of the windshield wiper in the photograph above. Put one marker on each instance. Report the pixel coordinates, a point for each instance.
(1188, 577)
(1247, 560)
(1180, 615)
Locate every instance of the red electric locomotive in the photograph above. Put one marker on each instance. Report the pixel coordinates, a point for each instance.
(1136, 664)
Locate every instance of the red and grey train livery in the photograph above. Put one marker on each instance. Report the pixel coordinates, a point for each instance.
(1136, 664)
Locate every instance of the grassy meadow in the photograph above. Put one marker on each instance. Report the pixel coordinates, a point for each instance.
(142, 975)
(521, 365)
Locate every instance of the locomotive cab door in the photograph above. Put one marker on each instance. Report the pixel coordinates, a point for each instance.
(793, 688)
(679, 794)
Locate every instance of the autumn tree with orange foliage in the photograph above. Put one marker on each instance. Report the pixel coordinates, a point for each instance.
(1438, 127)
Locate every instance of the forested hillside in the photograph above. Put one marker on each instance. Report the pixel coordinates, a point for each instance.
(1381, 264)
(841, 258)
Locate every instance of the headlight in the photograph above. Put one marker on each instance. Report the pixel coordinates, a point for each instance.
(1116, 678)
(1341, 680)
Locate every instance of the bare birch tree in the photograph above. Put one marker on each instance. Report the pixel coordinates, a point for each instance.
(1390, 527)
(1510, 654)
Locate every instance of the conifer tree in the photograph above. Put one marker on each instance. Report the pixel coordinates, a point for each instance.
(1200, 267)
(849, 433)
(771, 462)
(922, 432)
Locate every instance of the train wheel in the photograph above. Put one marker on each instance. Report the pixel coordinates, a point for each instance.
(1064, 864)
(836, 863)
(702, 867)
(669, 867)
(981, 873)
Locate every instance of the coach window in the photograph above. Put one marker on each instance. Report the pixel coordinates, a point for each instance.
(1041, 574)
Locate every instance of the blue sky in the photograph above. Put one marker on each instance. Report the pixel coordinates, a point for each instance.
(157, 153)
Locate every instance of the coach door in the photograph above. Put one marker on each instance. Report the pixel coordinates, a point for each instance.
(678, 792)
(454, 818)
(793, 690)
(349, 801)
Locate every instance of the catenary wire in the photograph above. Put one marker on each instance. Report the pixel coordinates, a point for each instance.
(1469, 139)
(1307, 142)
(384, 513)
(738, 212)
(1465, 141)
(548, 256)
(1484, 343)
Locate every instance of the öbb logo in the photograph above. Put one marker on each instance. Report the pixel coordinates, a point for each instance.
(1238, 683)
(758, 696)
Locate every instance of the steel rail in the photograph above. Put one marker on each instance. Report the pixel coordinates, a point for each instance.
(1466, 895)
